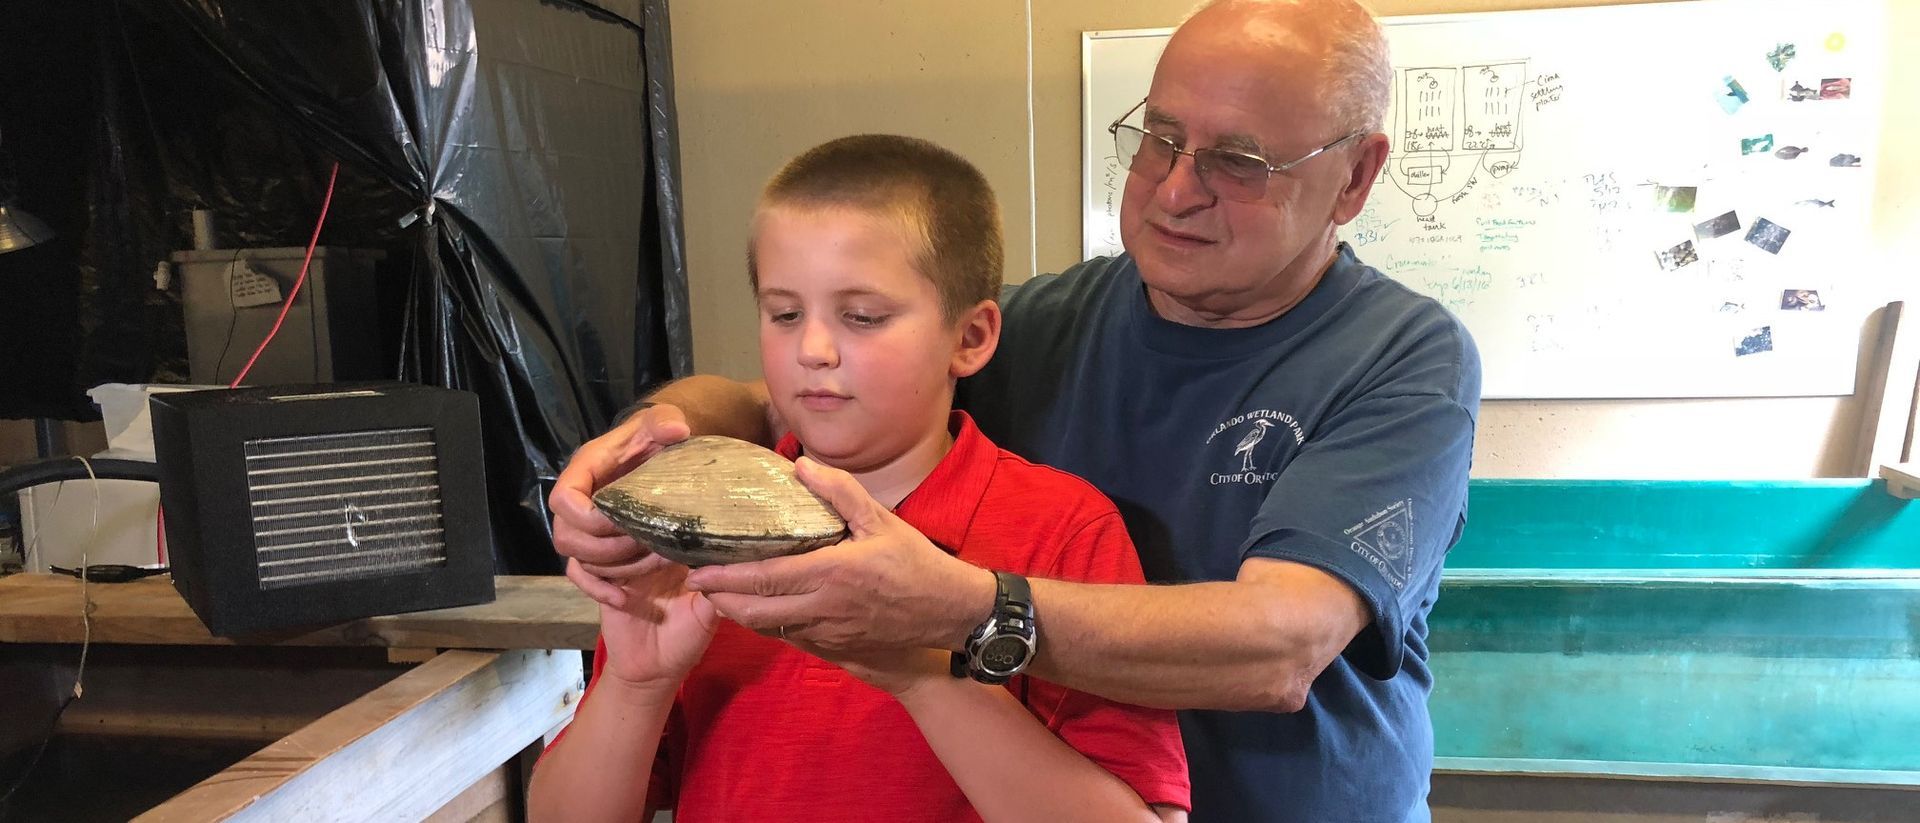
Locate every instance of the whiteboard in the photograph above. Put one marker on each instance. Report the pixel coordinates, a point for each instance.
(1587, 192)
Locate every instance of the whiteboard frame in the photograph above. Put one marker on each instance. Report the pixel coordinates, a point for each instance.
(1089, 127)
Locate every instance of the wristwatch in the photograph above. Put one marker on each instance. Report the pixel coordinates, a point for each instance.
(1002, 646)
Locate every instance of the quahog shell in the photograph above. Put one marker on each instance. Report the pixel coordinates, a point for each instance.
(713, 500)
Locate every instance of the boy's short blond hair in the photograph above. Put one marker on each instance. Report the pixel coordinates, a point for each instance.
(942, 201)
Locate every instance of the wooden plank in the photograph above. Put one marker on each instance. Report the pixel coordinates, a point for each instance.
(210, 692)
(527, 613)
(403, 751)
(489, 801)
(1886, 398)
(411, 655)
(1874, 388)
(179, 725)
(1903, 480)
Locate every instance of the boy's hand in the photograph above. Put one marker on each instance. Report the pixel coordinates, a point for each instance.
(600, 553)
(661, 632)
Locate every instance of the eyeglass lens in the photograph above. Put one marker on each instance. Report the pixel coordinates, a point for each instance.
(1227, 174)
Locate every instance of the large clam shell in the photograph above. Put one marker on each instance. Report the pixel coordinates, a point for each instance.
(712, 500)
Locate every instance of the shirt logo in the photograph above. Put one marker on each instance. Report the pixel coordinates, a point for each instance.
(1256, 431)
(1385, 539)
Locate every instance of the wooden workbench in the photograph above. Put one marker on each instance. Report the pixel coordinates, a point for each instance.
(527, 613)
(443, 741)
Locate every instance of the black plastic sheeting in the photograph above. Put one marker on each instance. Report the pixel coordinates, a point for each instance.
(516, 159)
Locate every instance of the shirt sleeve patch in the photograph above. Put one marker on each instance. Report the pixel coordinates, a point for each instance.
(1385, 541)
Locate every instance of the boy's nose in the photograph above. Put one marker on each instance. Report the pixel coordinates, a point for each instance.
(817, 349)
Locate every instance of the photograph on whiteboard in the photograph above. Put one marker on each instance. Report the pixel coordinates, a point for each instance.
(1756, 145)
(1732, 307)
(1732, 95)
(1780, 56)
(1789, 152)
(1717, 227)
(1755, 342)
(1675, 199)
(1836, 88)
(1768, 235)
(1814, 202)
(1678, 257)
(1801, 300)
(1801, 92)
(1845, 161)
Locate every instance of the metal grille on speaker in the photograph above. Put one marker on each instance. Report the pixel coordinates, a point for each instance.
(345, 506)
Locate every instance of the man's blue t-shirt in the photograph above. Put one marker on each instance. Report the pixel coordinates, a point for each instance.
(1337, 435)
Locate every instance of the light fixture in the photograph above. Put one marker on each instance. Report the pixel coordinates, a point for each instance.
(18, 229)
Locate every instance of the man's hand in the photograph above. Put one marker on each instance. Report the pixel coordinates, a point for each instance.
(884, 587)
(600, 553)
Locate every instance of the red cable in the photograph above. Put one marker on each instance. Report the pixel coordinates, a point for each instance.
(159, 513)
(297, 283)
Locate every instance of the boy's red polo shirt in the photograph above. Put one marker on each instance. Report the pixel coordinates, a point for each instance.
(764, 731)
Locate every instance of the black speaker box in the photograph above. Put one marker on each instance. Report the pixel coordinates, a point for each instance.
(297, 506)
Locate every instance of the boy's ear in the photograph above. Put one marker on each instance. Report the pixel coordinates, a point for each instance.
(979, 336)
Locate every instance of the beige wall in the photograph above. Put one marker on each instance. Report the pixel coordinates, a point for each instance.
(758, 82)
(17, 443)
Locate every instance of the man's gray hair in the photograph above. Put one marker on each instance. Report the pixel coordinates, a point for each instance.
(1358, 74)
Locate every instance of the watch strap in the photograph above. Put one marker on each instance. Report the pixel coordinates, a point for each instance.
(1012, 594)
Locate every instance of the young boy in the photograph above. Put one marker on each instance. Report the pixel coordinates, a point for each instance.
(875, 261)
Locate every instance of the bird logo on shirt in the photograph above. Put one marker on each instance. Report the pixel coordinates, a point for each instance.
(1259, 426)
(1253, 438)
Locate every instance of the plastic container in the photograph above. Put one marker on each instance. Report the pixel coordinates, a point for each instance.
(123, 408)
(71, 523)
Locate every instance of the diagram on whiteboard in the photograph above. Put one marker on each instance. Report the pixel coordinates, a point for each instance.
(1453, 124)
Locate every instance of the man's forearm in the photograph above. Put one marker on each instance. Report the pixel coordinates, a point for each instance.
(717, 405)
(1229, 645)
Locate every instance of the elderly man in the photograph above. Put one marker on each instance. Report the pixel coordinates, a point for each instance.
(1286, 431)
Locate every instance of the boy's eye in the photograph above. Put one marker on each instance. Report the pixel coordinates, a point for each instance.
(783, 318)
(865, 319)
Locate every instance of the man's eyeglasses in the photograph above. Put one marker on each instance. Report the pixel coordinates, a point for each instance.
(1229, 174)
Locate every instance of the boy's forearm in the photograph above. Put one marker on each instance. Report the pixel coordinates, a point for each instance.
(602, 768)
(1008, 764)
(717, 405)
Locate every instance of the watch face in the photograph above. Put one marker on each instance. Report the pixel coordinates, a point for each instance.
(1003, 654)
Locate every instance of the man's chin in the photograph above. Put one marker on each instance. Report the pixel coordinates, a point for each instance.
(1180, 284)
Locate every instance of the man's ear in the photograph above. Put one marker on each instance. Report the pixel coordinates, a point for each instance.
(979, 336)
(1368, 158)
